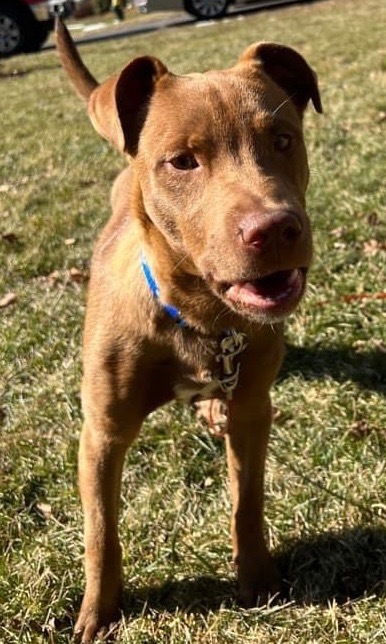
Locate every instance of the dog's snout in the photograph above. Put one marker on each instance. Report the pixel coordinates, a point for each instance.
(280, 227)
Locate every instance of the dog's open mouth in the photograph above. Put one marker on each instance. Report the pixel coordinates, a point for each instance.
(273, 293)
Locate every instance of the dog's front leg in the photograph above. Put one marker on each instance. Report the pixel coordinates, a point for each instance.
(101, 455)
(246, 444)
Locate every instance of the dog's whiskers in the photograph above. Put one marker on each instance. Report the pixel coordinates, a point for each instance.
(222, 313)
(278, 108)
(180, 261)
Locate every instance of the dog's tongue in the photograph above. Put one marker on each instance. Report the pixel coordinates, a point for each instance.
(272, 289)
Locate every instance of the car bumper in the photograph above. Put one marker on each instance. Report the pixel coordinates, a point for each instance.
(63, 8)
(40, 11)
(45, 11)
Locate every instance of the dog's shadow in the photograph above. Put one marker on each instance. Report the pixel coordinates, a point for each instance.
(365, 368)
(339, 566)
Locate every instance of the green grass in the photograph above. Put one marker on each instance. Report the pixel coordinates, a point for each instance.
(325, 485)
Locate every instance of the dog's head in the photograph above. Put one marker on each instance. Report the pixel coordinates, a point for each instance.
(222, 170)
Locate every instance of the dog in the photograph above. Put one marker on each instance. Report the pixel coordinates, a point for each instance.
(205, 255)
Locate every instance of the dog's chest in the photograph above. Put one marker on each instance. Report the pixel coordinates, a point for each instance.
(192, 389)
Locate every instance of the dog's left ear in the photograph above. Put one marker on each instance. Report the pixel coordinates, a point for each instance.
(289, 70)
(118, 107)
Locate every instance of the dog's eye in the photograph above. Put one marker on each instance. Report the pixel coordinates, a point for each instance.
(184, 162)
(282, 142)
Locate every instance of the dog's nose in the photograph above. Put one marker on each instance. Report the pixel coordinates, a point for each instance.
(279, 227)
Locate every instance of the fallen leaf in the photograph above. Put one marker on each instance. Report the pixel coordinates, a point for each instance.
(78, 276)
(337, 232)
(63, 278)
(54, 276)
(13, 72)
(52, 279)
(8, 299)
(372, 219)
(9, 237)
(359, 344)
(381, 295)
(378, 344)
(373, 247)
(360, 429)
(45, 509)
(373, 343)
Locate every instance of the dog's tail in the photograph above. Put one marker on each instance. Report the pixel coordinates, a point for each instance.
(80, 77)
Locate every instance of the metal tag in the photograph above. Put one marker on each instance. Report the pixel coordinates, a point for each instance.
(231, 345)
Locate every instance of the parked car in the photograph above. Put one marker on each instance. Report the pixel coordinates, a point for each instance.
(25, 24)
(202, 9)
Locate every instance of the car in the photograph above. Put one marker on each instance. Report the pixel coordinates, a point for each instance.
(25, 24)
(203, 9)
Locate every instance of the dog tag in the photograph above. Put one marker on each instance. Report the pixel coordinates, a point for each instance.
(231, 345)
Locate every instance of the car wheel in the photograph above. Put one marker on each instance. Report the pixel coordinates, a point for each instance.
(206, 9)
(11, 30)
(34, 39)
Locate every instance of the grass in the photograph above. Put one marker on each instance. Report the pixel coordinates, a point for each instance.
(325, 485)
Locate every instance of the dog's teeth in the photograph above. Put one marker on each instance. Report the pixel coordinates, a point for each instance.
(293, 277)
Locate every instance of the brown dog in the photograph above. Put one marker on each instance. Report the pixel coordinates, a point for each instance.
(206, 253)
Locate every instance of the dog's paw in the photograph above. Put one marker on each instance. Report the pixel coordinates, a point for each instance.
(259, 585)
(95, 624)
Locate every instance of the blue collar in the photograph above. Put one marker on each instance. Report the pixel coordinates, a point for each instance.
(231, 343)
(172, 311)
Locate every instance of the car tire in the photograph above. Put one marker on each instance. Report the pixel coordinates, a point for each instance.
(19, 30)
(206, 9)
(34, 39)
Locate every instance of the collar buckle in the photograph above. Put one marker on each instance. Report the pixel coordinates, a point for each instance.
(231, 345)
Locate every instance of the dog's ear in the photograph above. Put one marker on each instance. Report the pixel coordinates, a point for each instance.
(118, 107)
(289, 70)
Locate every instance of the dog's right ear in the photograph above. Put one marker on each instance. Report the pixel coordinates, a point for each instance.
(118, 107)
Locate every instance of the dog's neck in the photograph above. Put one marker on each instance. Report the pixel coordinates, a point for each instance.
(171, 310)
(231, 343)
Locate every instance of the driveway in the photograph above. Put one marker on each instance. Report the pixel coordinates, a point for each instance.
(132, 29)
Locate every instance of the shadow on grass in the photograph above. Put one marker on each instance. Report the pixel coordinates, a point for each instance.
(17, 72)
(367, 369)
(338, 566)
(200, 595)
(341, 566)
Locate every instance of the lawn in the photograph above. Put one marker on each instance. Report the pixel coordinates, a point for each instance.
(325, 487)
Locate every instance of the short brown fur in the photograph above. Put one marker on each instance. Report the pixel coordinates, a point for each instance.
(214, 199)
